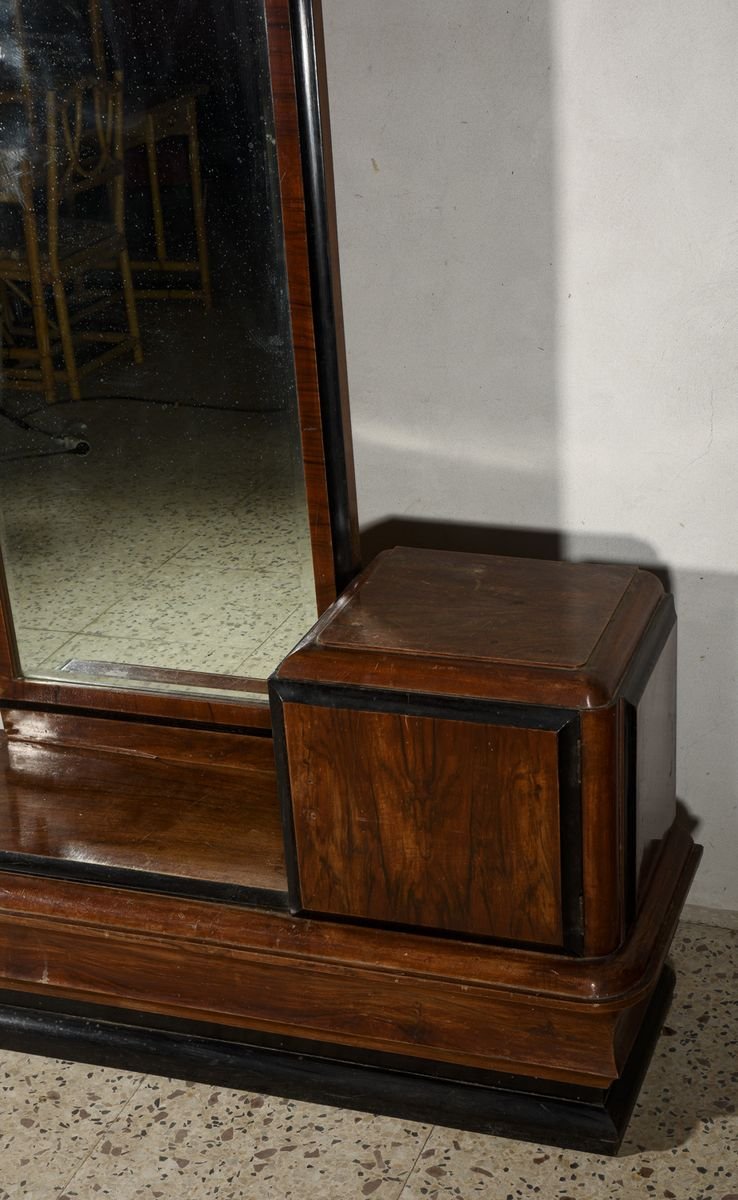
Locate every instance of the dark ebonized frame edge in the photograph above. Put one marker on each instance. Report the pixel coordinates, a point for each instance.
(571, 848)
(635, 679)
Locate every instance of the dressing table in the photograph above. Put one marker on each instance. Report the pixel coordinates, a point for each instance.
(439, 876)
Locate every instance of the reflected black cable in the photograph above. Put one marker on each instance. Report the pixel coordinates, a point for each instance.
(80, 448)
(68, 445)
(247, 412)
(77, 445)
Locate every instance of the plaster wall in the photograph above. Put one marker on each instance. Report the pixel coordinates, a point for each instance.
(538, 223)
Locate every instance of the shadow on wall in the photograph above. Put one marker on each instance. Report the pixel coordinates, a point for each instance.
(550, 544)
(455, 284)
(446, 206)
(453, 535)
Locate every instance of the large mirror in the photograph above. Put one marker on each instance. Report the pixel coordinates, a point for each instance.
(153, 513)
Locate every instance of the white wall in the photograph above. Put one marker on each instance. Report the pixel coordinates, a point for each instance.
(538, 222)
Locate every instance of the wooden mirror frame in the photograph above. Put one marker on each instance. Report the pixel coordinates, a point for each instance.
(294, 42)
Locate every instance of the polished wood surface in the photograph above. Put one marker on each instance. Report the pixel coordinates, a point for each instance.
(421, 821)
(141, 739)
(506, 629)
(549, 1015)
(603, 838)
(146, 785)
(441, 999)
(297, 254)
(142, 812)
(511, 610)
(577, 1117)
(613, 981)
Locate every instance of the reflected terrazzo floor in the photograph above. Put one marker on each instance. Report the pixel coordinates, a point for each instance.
(180, 541)
(71, 1132)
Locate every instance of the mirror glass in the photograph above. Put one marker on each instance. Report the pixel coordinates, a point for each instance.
(152, 497)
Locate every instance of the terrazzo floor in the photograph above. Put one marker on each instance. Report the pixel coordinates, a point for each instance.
(71, 1132)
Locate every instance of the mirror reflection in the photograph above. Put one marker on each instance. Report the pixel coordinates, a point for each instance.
(152, 496)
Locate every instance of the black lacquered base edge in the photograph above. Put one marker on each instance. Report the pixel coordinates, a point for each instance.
(530, 1110)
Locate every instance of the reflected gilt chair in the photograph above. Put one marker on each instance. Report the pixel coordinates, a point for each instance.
(175, 116)
(44, 269)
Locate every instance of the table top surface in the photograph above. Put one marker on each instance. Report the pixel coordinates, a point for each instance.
(483, 627)
(433, 603)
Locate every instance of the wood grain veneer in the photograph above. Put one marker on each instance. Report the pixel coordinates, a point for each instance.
(512, 669)
(423, 821)
(289, 158)
(490, 764)
(548, 1016)
(64, 807)
(484, 607)
(140, 739)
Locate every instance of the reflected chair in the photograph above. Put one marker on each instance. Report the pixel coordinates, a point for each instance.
(173, 117)
(46, 267)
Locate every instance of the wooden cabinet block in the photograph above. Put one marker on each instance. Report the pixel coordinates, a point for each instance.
(481, 746)
(441, 823)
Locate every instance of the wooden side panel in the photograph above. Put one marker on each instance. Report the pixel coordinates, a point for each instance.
(427, 821)
(655, 759)
(611, 984)
(603, 832)
(241, 751)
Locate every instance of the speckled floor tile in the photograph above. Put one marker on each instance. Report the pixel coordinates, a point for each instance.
(262, 661)
(682, 1142)
(251, 539)
(38, 644)
(51, 1116)
(178, 1140)
(191, 603)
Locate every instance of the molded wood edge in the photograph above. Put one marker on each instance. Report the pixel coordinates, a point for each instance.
(592, 685)
(44, 906)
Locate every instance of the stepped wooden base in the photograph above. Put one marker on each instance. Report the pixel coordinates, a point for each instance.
(507, 1106)
(421, 1026)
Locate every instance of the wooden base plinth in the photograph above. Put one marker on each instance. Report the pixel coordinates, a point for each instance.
(588, 1119)
(483, 1036)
